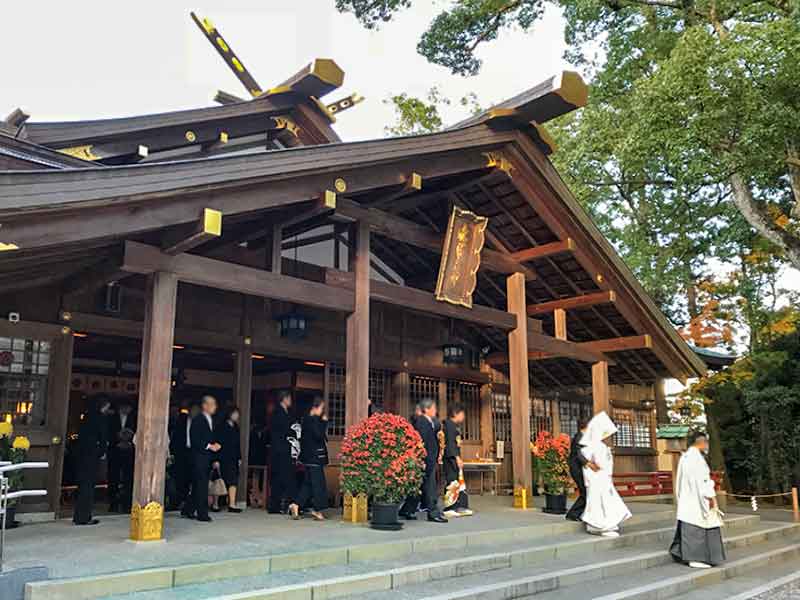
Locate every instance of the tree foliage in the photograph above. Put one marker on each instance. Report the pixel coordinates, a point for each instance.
(694, 116)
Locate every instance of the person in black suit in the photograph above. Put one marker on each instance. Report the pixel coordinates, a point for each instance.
(453, 463)
(230, 456)
(409, 509)
(314, 457)
(282, 481)
(121, 458)
(576, 462)
(428, 427)
(181, 450)
(92, 446)
(204, 448)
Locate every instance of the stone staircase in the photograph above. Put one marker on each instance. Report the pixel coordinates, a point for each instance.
(554, 560)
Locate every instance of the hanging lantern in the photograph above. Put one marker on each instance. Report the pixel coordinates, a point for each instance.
(648, 404)
(453, 353)
(293, 325)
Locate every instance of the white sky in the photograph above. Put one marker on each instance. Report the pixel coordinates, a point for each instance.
(92, 59)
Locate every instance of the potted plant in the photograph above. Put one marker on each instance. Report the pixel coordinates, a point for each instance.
(382, 457)
(13, 451)
(551, 454)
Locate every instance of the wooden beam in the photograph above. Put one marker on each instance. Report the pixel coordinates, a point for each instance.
(207, 227)
(573, 302)
(601, 398)
(545, 250)
(409, 232)
(619, 344)
(422, 301)
(140, 258)
(542, 346)
(358, 345)
(94, 277)
(520, 384)
(413, 184)
(560, 320)
(155, 385)
(323, 206)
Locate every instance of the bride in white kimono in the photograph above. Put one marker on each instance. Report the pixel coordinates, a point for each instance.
(605, 510)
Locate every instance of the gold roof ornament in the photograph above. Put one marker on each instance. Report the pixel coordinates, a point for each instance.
(82, 152)
(499, 161)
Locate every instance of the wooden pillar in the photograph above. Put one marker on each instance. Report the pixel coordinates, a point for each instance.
(441, 401)
(601, 399)
(242, 393)
(58, 414)
(155, 385)
(560, 319)
(357, 358)
(662, 414)
(401, 400)
(487, 422)
(520, 386)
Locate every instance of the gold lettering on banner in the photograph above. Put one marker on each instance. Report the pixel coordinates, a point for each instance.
(461, 257)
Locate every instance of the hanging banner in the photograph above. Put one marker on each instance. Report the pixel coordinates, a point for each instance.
(461, 257)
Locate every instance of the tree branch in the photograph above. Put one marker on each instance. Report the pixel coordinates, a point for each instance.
(760, 220)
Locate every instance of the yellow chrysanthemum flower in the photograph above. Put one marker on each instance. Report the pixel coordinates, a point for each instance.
(21, 443)
(6, 429)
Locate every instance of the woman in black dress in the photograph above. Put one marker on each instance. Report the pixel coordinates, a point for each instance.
(230, 455)
(314, 457)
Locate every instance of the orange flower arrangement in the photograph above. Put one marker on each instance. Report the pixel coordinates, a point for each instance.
(551, 453)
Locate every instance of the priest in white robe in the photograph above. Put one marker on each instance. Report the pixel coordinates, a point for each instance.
(698, 537)
(605, 510)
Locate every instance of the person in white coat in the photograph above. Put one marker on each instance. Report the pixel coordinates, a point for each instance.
(698, 537)
(605, 510)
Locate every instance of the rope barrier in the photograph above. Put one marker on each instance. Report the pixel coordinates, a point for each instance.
(754, 500)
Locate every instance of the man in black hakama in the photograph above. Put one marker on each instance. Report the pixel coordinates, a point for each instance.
(576, 462)
(92, 446)
(282, 474)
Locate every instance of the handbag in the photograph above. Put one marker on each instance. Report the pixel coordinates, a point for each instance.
(216, 485)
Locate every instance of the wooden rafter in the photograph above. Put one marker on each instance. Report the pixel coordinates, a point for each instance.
(573, 302)
(187, 237)
(536, 252)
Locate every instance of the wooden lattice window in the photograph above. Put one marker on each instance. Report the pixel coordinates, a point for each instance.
(336, 399)
(570, 411)
(421, 388)
(469, 396)
(501, 416)
(378, 380)
(540, 418)
(635, 428)
(24, 366)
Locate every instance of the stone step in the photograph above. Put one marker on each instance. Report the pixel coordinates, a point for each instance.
(604, 574)
(580, 552)
(750, 584)
(128, 582)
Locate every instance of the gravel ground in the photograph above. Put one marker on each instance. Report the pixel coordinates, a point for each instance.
(790, 591)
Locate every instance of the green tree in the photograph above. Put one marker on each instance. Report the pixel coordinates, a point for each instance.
(701, 94)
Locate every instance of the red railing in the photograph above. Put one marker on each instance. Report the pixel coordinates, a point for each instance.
(653, 483)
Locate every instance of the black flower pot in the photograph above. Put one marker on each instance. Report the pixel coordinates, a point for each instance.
(555, 504)
(384, 516)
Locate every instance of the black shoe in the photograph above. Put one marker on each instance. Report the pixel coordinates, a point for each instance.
(215, 509)
(409, 517)
(205, 519)
(437, 519)
(572, 518)
(92, 522)
(232, 509)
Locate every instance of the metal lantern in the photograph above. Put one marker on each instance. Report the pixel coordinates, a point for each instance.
(453, 353)
(293, 325)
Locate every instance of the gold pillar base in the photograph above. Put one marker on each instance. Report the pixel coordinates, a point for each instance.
(355, 508)
(521, 497)
(147, 524)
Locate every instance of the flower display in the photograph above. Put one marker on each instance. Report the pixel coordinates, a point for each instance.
(21, 443)
(382, 456)
(13, 452)
(551, 453)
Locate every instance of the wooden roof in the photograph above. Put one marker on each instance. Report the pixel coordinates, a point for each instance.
(75, 220)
